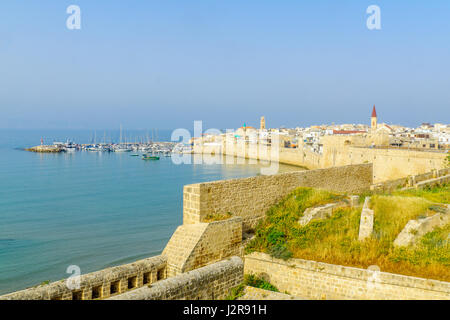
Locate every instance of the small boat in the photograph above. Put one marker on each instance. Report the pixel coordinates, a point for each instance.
(121, 149)
(70, 147)
(134, 155)
(147, 157)
(93, 148)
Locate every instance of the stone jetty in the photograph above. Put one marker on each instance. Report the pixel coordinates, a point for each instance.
(45, 149)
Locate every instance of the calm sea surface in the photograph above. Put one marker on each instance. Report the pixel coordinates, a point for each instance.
(89, 209)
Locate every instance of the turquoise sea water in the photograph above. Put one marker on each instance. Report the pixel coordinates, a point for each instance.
(89, 209)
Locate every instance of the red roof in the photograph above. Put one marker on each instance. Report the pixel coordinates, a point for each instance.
(374, 112)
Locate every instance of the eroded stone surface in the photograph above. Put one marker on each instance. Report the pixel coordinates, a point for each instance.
(366, 222)
(207, 283)
(416, 229)
(196, 245)
(99, 283)
(318, 280)
(320, 212)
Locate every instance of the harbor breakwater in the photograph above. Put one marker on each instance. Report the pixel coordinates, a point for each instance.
(45, 149)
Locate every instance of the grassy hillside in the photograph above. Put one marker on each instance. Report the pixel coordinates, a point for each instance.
(335, 240)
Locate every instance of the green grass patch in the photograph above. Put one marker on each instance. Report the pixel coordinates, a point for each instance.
(392, 213)
(274, 233)
(250, 280)
(258, 282)
(433, 248)
(335, 240)
(438, 194)
(236, 292)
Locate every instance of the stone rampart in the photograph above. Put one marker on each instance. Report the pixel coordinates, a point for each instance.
(426, 179)
(388, 163)
(207, 283)
(195, 245)
(250, 198)
(100, 284)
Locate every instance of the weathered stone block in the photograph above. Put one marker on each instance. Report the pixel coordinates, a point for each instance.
(353, 201)
(416, 229)
(366, 222)
(206, 283)
(319, 212)
(195, 245)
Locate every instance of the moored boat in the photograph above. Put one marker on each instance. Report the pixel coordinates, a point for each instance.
(147, 157)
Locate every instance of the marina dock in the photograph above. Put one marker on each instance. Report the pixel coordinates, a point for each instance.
(163, 148)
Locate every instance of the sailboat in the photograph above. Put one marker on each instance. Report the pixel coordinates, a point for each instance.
(121, 147)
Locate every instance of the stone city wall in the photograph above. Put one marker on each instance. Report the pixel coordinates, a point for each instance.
(100, 284)
(250, 198)
(292, 156)
(195, 245)
(388, 163)
(317, 280)
(433, 182)
(412, 181)
(211, 282)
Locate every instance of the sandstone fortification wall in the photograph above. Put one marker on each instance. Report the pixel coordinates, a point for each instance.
(195, 245)
(250, 198)
(100, 284)
(317, 280)
(207, 283)
(388, 163)
(413, 181)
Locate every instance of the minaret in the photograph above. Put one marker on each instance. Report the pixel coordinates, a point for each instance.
(373, 119)
(262, 124)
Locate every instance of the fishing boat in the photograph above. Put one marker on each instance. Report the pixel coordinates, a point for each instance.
(147, 157)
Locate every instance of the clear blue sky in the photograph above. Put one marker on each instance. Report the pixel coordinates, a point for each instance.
(163, 64)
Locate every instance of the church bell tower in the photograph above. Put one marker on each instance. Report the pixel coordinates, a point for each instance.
(373, 119)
